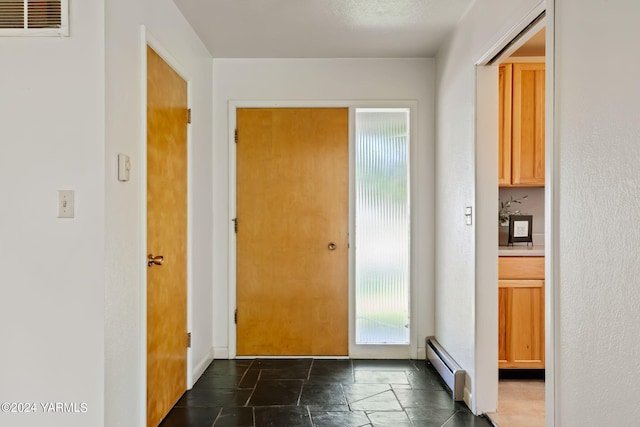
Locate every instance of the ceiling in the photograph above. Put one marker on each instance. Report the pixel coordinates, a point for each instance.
(323, 28)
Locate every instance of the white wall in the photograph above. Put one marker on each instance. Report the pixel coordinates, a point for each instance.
(318, 80)
(72, 319)
(457, 290)
(125, 252)
(598, 150)
(52, 270)
(594, 188)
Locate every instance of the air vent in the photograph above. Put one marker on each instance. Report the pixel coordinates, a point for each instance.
(34, 18)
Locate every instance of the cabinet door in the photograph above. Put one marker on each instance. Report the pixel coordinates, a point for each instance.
(504, 123)
(503, 306)
(528, 113)
(527, 327)
(521, 324)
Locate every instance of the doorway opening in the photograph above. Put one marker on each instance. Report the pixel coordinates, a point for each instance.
(521, 324)
(517, 74)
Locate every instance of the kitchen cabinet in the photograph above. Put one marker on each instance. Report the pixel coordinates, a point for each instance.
(521, 313)
(521, 125)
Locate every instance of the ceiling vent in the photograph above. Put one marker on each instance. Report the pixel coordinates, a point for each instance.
(34, 18)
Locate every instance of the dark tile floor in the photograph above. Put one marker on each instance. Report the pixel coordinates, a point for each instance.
(320, 393)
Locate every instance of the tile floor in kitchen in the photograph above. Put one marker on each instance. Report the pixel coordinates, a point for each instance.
(321, 393)
(521, 403)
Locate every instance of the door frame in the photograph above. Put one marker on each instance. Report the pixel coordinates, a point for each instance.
(486, 382)
(355, 351)
(148, 39)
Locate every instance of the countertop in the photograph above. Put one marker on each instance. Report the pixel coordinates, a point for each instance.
(520, 249)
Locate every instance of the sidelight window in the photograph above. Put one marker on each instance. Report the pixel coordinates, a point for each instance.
(382, 231)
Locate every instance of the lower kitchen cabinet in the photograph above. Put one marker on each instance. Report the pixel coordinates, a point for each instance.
(521, 313)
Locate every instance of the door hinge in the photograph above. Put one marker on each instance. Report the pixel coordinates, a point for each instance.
(235, 316)
(235, 225)
(188, 339)
(236, 136)
(189, 116)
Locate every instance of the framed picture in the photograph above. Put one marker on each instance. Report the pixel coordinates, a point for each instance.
(520, 229)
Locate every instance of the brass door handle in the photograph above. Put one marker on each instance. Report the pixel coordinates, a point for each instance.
(332, 246)
(154, 260)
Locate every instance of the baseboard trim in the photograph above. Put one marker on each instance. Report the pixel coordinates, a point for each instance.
(220, 352)
(468, 397)
(202, 366)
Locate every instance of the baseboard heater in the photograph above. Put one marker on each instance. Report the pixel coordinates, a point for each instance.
(448, 369)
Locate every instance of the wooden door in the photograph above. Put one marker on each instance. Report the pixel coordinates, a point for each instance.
(528, 124)
(166, 236)
(292, 241)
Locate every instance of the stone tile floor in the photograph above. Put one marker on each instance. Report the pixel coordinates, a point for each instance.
(320, 393)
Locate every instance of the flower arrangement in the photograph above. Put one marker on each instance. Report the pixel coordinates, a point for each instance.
(505, 211)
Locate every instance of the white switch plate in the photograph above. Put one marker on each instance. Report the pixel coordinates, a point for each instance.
(124, 166)
(468, 215)
(66, 203)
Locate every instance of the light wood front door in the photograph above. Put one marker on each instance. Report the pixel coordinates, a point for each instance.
(292, 240)
(166, 237)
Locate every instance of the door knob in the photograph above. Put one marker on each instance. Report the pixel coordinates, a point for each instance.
(332, 246)
(154, 260)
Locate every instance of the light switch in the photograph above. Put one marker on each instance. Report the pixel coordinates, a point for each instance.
(66, 203)
(468, 215)
(124, 166)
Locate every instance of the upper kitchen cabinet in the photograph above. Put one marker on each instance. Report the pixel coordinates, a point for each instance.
(522, 125)
(505, 82)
